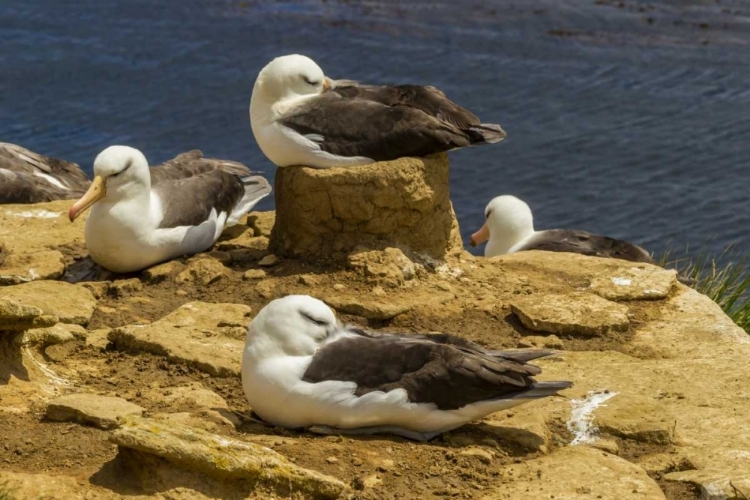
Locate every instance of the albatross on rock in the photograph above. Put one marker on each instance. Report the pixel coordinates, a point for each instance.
(510, 228)
(301, 369)
(28, 177)
(140, 216)
(301, 117)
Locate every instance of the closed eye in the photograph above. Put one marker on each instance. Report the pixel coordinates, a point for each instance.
(318, 322)
(487, 215)
(310, 82)
(121, 171)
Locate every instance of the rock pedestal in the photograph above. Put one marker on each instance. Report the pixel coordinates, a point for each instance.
(326, 213)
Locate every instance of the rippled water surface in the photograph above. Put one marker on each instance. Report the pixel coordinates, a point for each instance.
(627, 119)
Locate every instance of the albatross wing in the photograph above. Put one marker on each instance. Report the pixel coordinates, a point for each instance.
(28, 177)
(443, 370)
(388, 122)
(575, 241)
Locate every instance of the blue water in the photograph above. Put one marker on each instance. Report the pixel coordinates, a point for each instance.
(626, 119)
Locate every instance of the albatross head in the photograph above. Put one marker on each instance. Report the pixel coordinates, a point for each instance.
(288, 77)
(119, 171)
(294, 325)
(509, 221)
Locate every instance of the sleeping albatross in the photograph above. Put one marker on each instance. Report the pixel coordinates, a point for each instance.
(140, 217)
(301, 117)
(28, 177)
(510, 228)
(301, 369)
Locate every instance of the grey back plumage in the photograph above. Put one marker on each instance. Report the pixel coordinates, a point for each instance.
(575, 241)
(441, 369)
(191, 186)
(21, 182)
(389, 122)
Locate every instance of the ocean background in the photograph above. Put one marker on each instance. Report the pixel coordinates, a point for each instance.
(629, 119)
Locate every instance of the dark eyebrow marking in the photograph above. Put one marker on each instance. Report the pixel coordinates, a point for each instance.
(310, 318)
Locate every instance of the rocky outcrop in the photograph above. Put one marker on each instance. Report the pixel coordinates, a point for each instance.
(578, 472)
(209, 337)
(223, 458)
(17, 317)
(23, 267)
(576, 314)
(69, 303)
(403, 203)
(100, 411)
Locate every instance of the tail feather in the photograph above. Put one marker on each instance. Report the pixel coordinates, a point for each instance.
(490, 132)
(256, 188)
(544, 389)
(523, 355)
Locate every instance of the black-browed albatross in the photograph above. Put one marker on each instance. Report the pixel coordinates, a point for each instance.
(28, 177)
(301, 117)
(140, 216)
(509, 228)
(302, 369)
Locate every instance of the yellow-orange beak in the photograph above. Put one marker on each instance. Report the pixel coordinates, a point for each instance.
(96, 192)
(326, 84)
(480, 236)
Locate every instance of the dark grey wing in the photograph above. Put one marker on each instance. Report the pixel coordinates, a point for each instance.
(385, 123)
(448, 375)
(188, 202)
(193, 163)
(20, 171)
(575, 241)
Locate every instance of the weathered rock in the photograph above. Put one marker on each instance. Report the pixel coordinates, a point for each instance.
(254, 274)
(204, 271)
(371, 309)
(541, 341)
(25, 229)
(196, 334)
(17, 317)
(526, 429)
(390, 265)
(402, 203)
(98, 339)
(100, 411)
(715, 486)
(53, 487)
(691, 382)
(637, 418)
(221, 457)
(70, 303)
(29, 266)
(483, 455)
(573, 314)
(268, 261)
(57, 334)
(161, 272)
(567, 474)
(123, 288)
(261, 222)
(245, 241)
(643, 282)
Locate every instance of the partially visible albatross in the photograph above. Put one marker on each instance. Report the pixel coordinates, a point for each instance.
(510, 228)
(301, 117)
(28, 177)
(140, 216)
(302, 369)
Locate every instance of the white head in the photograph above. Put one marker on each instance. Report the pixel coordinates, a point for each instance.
(294, 325)
(119, 172)
(288, 77)
(509, 221)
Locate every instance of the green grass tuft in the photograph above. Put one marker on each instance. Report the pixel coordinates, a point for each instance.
(5, 492)
(724, 278)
